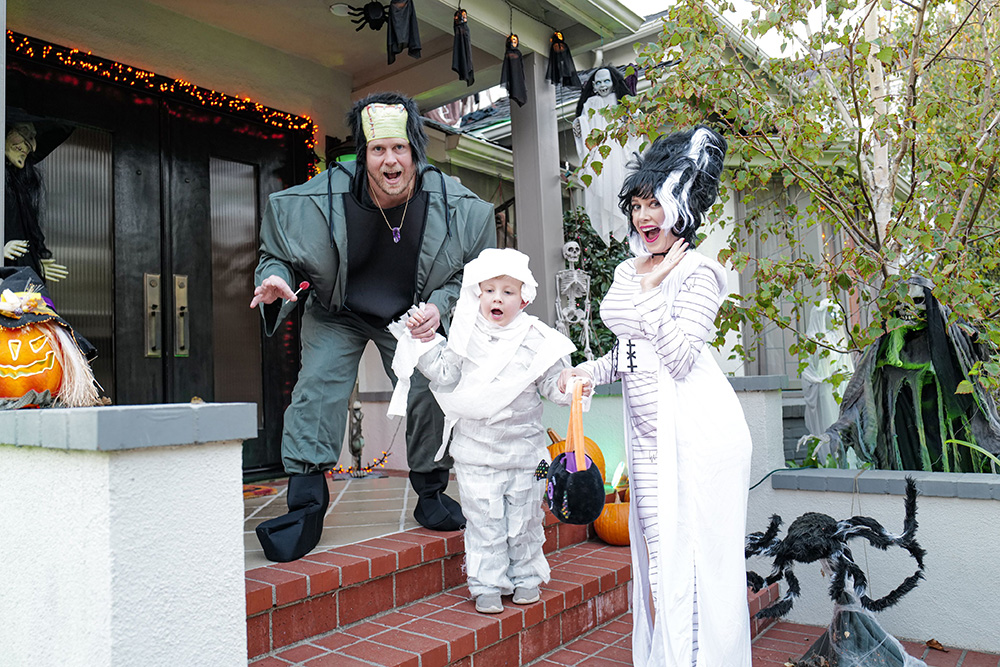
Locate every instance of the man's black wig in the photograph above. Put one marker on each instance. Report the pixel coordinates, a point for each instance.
(618, 86)
(414, 126)
(682, 172)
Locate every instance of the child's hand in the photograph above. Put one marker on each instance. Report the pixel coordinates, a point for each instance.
(566, 378)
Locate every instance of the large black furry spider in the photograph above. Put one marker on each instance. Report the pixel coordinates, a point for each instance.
(815, 536)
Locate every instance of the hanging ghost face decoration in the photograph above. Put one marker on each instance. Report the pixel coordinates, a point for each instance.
(682, 172)
(461, 49)
(512, 74)
(561, 68)
(602, 82)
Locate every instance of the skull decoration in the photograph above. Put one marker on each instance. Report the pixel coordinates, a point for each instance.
(571, 252)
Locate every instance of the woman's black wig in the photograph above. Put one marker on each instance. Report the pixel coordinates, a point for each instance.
(682, 171)
(618, 87)
(414, 126)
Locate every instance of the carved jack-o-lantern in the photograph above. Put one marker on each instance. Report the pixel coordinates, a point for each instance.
(28, 361)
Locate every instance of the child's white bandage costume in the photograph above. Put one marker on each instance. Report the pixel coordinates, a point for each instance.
(488, 380)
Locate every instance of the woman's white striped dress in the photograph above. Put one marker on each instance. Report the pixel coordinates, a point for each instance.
(679, 339)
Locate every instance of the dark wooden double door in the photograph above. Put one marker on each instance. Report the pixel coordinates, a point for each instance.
(154, 206)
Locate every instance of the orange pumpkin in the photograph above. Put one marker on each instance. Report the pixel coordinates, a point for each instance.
(590, 449)
(28, 361)
(612, 525)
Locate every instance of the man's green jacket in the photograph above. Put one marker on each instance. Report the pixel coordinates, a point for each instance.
(303, 235)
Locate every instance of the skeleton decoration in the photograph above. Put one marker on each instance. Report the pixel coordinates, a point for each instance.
(357, 440)
(854, 638)
(573, 305)
(605, 88)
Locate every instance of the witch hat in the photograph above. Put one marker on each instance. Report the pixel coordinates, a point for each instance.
(49, 132)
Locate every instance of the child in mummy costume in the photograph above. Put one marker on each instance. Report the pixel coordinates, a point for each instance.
(687, 442)
(488, 377)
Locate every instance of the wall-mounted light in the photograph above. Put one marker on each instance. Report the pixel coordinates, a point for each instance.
(340, 9)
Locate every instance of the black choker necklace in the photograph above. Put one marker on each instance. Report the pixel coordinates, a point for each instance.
(660, 254)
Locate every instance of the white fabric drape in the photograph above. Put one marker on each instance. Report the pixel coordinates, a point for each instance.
(600, 198)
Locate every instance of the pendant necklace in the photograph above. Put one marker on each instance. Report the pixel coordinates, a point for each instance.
(395, 230)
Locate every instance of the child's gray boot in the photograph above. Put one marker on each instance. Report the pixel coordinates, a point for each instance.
(526, 595)
(489, 603)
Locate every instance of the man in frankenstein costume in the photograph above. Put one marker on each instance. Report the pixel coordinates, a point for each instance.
(372, 239)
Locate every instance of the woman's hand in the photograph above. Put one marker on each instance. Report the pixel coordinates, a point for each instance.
(673, 257)
(567, 375)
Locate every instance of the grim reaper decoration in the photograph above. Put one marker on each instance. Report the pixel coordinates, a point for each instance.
(461, 49)
(512, 73)
(902, 409)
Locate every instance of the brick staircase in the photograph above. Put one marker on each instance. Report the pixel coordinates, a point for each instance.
(401, 600)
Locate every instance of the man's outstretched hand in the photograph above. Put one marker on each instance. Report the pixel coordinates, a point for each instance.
(270, 290)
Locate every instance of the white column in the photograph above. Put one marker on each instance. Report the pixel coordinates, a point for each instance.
(3, 105)
(535, 145)
(121, 535)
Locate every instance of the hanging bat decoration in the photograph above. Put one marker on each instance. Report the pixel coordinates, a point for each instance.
(512, 74)
(401, 18)
(561, 68)
(461, 50)
(403, 30)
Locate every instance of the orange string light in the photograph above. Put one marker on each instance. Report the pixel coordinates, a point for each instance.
(34, 49)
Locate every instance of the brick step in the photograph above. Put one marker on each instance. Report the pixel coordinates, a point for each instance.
(610, 645)
(589, 588)
(402, 600)
(288, 603)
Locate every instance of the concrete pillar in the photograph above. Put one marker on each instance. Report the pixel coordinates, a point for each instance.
(121, 535)
(537, 189)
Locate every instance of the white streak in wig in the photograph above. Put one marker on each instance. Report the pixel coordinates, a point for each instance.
(677, 212)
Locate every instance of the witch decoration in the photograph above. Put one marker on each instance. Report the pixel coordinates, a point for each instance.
(30, 139)
(461, 49)
(902, 409)
(854, 638)
(605, 88)
(512, 73)
(561, 68)
(43, 361)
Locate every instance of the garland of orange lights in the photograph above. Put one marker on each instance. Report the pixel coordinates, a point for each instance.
(377, 463)
(36, 49)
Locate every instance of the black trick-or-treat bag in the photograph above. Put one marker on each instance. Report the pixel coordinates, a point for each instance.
(575, 491)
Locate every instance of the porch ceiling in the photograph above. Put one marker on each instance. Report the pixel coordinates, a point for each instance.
(308, 29)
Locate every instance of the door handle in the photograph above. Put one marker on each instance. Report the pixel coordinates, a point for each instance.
(182, 317)
(154, 328)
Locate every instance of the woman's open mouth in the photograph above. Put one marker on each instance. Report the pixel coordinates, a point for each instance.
(651, 233)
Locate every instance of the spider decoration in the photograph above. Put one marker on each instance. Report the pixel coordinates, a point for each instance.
(373, 15)
(814, 536)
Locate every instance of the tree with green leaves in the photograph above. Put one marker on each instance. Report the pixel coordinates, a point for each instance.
(874, 134)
